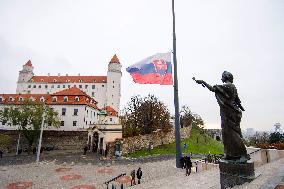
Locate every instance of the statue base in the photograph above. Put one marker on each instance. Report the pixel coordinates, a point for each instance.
(234, 173)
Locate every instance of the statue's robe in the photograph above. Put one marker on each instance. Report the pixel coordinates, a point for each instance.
(231, 114)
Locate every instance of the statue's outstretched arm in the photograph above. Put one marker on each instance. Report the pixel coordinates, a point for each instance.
(204, 84)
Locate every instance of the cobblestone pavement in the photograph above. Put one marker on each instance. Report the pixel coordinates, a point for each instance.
(89, 172)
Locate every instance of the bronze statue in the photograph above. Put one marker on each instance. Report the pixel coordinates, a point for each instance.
(231, 114)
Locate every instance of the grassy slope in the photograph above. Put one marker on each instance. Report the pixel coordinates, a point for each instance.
(205, 145)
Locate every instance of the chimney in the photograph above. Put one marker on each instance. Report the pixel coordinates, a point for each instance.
(66, 74)
(48, 74)
(58, 74)
(78, 74)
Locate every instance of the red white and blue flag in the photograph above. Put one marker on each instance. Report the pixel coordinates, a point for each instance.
(156, 69)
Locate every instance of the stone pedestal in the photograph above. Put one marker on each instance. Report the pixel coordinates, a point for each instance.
(232, 173)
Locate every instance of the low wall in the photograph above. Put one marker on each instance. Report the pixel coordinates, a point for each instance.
(61, 140)
(263, 156)
(132, 144)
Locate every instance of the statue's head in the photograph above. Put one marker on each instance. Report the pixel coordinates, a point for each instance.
(227, 76)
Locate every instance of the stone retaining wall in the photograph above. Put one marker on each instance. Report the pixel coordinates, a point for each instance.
(61, 140)
(132, 144)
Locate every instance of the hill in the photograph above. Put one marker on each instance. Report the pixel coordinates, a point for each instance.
(198, 142)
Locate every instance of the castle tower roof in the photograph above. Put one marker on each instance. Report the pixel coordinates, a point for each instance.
(29, 63)
(114, 60)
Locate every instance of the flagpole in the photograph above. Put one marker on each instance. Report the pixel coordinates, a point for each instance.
(177, 122)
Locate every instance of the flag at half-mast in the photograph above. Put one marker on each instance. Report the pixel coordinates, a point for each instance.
(156, 69)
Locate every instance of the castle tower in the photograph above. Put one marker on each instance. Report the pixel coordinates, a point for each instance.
(114, 83)
(24, 76)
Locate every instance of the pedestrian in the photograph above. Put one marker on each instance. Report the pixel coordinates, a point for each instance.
(42, 156)
(113, 186)
(1, 153)
(182, 162)
(85, 149)
(133, 182)
(121, 186)
(188, 165)
(184, 147)
(139, 174)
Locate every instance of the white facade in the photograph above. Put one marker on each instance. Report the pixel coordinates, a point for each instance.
(106, 90)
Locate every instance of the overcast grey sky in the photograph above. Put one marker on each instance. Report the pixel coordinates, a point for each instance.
(240, 36)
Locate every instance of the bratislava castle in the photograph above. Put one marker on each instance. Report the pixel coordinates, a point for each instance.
(106, 90)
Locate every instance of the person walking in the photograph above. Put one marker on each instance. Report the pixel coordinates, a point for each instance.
(85, 150)
(188, 165)
(1, 153)
(139, 174)
(133, 182)
(184, 147)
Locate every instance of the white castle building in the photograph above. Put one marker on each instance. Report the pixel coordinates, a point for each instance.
(84, 103)
(105, 89)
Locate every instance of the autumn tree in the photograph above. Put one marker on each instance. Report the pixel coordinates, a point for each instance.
(145, 115)
(188, 118)
(28, 118)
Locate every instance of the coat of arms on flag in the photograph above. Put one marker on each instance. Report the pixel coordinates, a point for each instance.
(156, 69)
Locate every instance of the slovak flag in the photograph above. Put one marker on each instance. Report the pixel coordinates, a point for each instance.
(156, 69)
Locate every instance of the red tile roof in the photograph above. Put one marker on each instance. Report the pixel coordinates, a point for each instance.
(71, 95)
(114, 59)
(110, 111)
(69, 79)
(29, 63)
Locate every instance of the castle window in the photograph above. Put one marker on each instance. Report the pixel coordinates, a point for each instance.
(103, 85)
(39, 86)
(76, 99)
(62, 123)
(69, 86)
(46, 86)
(75, 112)
(34, 86)
(74, 123)
(74, 85)
(112, 81)
(110, 119)
(54, 99)
(112, 86)
(54, 80)
(93, 86)
(52, 86)
(11, 99)
(21, 99)
(63, 111)
(80, 86)
(58, 86)
(86, 86)
(65, 99)
(93, 94)
(31, 99)
(1, 99)
(29, 86)
(42, 99)
(63, 86)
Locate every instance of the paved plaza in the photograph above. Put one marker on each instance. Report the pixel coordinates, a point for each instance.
(159, 173)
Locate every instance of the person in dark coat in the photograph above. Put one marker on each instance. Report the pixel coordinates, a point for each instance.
(139, 174)
(133, 182)
(1, 153)
(85, 149)
(188, 165)
(182, 162)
